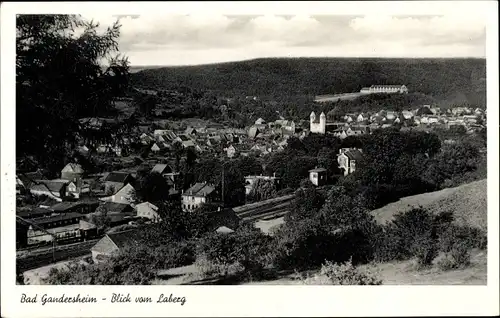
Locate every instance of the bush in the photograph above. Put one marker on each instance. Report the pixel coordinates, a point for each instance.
(247, 247)
(343, 274)
(212, 269)
(469, 236)
(459, 257)
(409, 234)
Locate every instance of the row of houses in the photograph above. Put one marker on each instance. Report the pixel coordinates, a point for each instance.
(361, 123)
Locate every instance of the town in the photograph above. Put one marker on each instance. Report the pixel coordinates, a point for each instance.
(242, 172)
(80, 199)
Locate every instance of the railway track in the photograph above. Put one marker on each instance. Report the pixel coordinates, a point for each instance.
(46, 257)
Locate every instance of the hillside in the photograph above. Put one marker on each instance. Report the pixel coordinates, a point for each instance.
(469, 204)
(452, 80)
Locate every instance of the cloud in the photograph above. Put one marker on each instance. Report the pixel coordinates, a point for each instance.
(165, 38)
(425, 30)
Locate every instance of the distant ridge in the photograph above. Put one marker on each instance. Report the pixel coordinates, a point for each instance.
(457, 79)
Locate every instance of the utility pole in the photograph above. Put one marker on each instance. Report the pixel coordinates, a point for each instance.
(223, 167)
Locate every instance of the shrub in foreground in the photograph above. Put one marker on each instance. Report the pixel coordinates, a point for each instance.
(341, 274)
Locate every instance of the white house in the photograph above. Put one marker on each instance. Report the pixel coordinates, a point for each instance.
(318, 176)
(197, 195)
(125, 195)
(148, 210)
(347, 159)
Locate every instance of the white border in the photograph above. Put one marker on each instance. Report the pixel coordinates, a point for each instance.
(252, 300)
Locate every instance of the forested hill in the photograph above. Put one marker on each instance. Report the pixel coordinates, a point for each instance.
(452, 80)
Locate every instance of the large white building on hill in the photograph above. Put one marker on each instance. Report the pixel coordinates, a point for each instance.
(374, 89)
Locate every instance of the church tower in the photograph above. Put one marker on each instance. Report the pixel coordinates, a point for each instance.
(322, 123)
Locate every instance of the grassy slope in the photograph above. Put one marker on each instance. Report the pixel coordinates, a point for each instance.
(467, 202)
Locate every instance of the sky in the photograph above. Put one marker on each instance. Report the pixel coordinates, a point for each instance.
(203, 38)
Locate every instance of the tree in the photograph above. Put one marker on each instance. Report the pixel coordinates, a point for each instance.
(59, 79)
(178, 151)
(191, 157)
(101, 219)
(145, 103)
(154, 188)
(262, 189)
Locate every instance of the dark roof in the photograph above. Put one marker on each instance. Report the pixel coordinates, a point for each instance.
(29, 177)
(200, 189)
(115, 207)
(63, 206)
(354, 154)
(49, 185)
(117, 176)
(59, 217)
(317, 170)
(125, 238)
(184, 137)
(34, 213)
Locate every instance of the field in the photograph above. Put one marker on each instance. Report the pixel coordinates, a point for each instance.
(337, 97)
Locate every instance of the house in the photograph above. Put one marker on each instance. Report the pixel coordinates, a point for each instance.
(166, 171)
(391, 115)
(435, 110)
(424, 111)
(318, 176)
(260, 121)
(146, 139)
(253, 132)
(407, 114)
(188, 143)
(112, 243)
(231, 151)
(361, 118)
(149, 211)
(82, 206)
(197, 195)
(62, 226)
(55, 189)
(347, 159)
(25, 180)
(159, 146)
(125, 195)
(76, 188)
(191, 131)
(114, 181)
(250, 181)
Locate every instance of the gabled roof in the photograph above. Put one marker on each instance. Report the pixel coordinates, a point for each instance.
(200, 189)
(149, 205)
(73, 167)
(160, 168)
(125, 238)
(49, 185)
(354, 154)
(118, 177)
